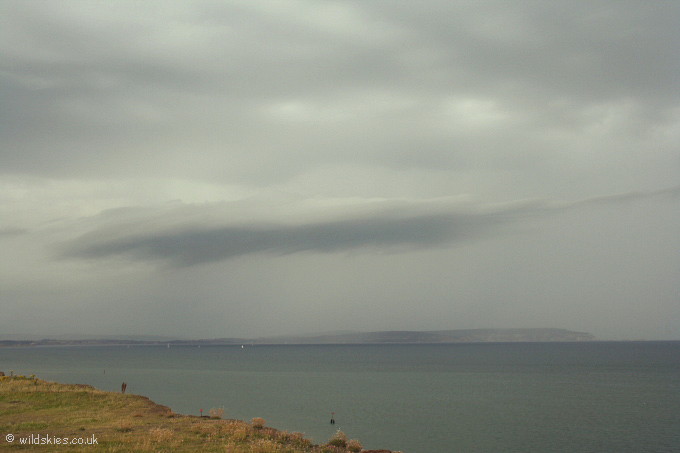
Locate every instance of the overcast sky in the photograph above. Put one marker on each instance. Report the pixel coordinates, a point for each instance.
(216, 169)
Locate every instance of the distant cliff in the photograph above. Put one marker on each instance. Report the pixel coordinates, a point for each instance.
(436, 336)
(382, 337)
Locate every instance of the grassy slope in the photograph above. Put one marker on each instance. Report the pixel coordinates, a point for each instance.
(126, 423)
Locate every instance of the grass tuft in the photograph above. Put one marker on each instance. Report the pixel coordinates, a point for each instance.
(354, 446)
(258, 422)
(339, 439)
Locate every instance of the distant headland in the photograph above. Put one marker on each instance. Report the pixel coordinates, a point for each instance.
(537, 335)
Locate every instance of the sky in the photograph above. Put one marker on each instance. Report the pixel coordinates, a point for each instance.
(206, 169)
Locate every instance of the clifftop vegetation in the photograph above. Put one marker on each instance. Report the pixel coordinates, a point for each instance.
(60, 417)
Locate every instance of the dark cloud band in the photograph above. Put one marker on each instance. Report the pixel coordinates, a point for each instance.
(190, 246)
(420, 225)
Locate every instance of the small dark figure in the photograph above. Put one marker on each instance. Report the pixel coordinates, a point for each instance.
(123, 387)
(332, 418)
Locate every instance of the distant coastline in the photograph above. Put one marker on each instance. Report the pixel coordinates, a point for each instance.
(537, 335)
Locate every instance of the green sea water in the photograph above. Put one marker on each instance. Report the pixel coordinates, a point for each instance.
(513, 397)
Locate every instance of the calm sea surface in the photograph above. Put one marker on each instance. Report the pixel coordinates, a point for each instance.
(527, 397)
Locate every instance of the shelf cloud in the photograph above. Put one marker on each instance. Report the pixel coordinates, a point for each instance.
(200, 244)
(384, 226)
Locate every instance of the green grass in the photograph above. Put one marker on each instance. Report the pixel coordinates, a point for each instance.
(125, 422)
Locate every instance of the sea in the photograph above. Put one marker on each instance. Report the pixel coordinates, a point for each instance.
(425, 398)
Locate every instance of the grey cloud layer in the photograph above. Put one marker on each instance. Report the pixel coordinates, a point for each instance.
(248, 86)
(289, 132)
